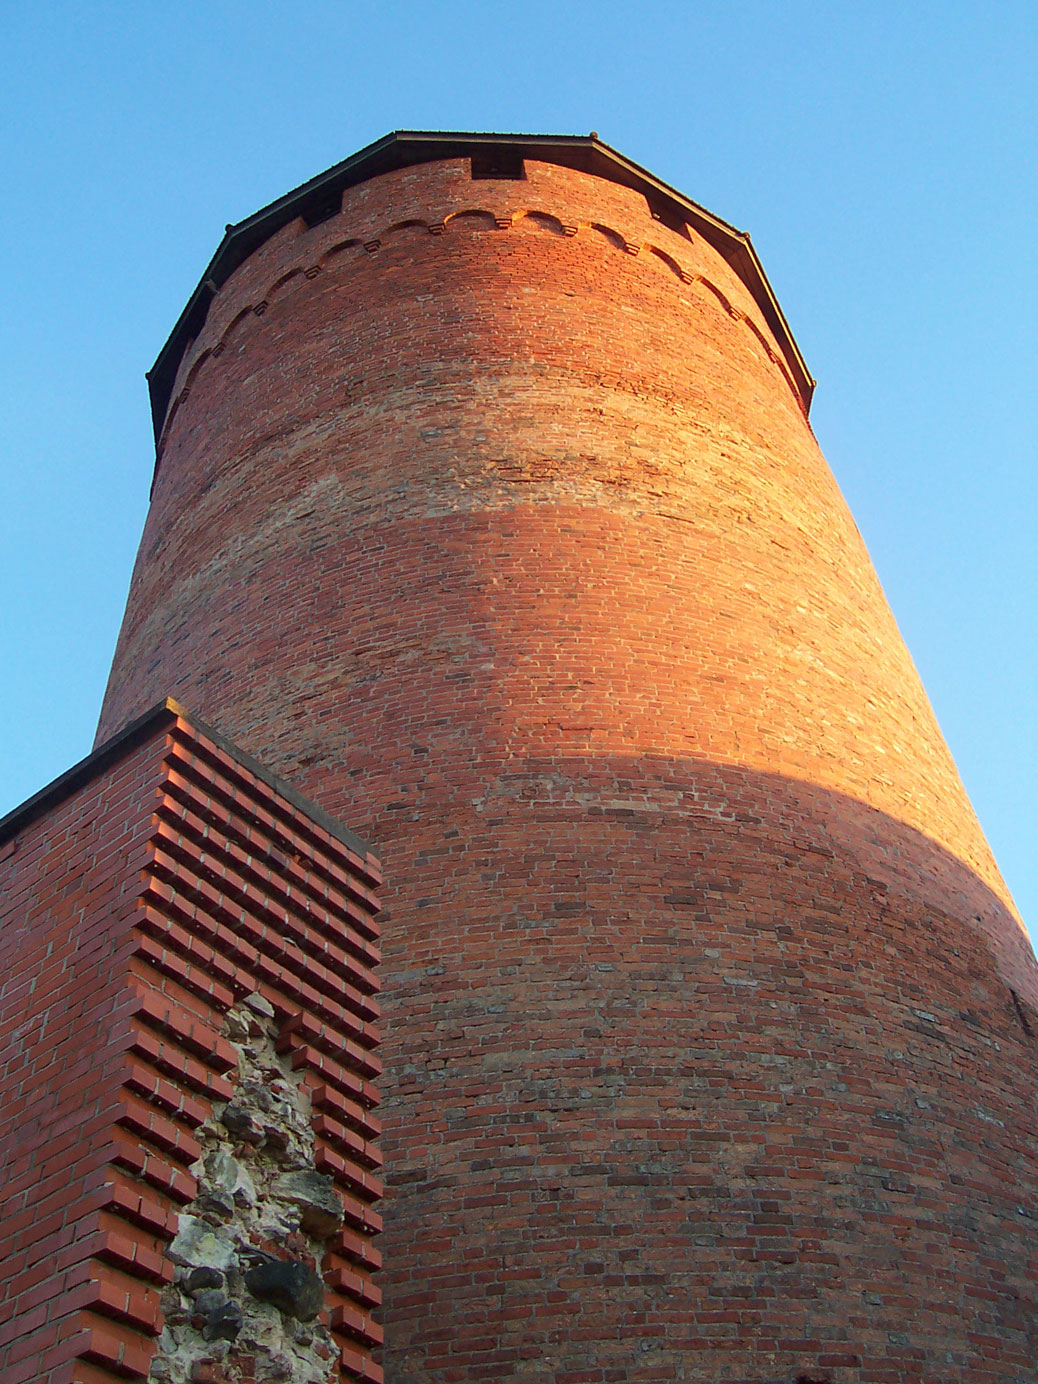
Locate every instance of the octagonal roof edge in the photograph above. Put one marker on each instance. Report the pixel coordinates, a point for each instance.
(405, 148)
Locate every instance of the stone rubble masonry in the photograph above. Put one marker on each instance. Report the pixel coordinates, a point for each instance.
(486, 515)
(250, 1246)
(145, 893)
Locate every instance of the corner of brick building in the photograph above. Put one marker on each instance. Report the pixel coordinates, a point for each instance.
(160, 886)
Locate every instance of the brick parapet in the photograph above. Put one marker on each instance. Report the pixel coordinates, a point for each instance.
(431, 200)
(138, 905)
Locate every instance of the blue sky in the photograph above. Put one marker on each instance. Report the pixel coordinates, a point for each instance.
(881, 155)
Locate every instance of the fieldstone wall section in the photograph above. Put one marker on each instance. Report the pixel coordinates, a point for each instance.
(188, 1038)
(248, 1290)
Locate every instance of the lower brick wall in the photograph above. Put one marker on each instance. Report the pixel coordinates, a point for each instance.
(145, 896)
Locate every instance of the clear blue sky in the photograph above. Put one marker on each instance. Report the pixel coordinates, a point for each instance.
(881, 155)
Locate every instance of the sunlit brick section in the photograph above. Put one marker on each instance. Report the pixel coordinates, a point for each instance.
(158, 892)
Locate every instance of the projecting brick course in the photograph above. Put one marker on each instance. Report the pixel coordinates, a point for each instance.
(139, 900)
(487, 513)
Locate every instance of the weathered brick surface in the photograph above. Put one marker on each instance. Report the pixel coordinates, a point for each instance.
(136, 905)
(708, 1053)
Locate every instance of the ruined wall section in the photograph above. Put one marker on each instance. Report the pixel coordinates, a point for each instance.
(188, 957)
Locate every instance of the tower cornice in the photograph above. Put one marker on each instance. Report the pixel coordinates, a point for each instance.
(407, 148)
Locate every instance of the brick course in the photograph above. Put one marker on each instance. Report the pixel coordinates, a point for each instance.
(487, 513)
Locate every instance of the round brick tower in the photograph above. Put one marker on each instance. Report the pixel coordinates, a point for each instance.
(487, 513)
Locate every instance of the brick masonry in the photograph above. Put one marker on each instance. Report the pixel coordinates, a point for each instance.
(158, 884)
(487, 513)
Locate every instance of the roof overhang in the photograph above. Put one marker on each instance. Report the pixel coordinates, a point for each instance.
(405, 148)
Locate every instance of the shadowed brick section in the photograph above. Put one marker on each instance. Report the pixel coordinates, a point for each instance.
(486, 513)
(143, 894)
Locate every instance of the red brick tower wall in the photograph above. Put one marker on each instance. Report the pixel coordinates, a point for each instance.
(487, 513)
